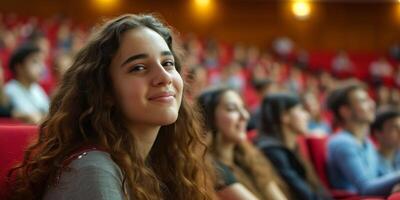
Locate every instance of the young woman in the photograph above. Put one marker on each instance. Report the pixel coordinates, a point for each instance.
(282, 119)
(118, 126)
(226, 119)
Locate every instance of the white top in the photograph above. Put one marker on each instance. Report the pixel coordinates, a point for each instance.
(27, 100)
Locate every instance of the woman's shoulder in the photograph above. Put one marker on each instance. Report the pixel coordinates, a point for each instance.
(226, 176)
(90, 175)
(95, 159)
(269, 145)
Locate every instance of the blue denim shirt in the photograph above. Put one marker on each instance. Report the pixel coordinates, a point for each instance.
(354, 166)
(388, 166)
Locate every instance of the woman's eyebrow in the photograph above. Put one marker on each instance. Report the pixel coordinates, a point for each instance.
(134, 57)
(166, 53)
(140, 56)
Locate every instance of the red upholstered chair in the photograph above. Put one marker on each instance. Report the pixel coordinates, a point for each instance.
(395, 196)
(303, 147)
(13, 142)
(318, 155)
(5, 121)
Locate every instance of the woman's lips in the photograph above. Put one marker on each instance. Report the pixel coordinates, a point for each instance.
(164, 97)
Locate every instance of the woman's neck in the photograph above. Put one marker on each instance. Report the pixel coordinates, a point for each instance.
(145, 137)
(225, 152)
(290, 138)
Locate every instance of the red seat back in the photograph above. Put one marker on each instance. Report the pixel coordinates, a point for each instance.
(5, 121)
(303, 147)
(394, 196)
(13, 142)
(318, 156)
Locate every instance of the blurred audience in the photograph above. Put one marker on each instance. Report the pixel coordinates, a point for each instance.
(342, 64)
(380, 69)
(226, 118)
(61, 64)
(5, 104)
(386, 131)
(353, 163)
(35, 53)
(27, 97)
(316, 124)
(282, 120)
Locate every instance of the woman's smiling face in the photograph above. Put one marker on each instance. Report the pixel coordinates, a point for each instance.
(147, 86)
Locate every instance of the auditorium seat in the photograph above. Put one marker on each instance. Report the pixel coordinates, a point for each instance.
(303, 147)
(394, 196)
(5, 121)
(318, 155)
(13, 141)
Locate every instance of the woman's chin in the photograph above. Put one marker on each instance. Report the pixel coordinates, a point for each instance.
(168, 120)
(241, 138)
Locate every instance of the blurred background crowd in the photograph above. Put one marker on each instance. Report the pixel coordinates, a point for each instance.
(255, 47)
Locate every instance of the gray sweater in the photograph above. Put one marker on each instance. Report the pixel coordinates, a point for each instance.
(93, 175)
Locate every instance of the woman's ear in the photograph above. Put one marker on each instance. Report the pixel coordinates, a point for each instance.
(285, 118)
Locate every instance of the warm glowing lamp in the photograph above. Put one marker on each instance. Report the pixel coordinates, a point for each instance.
(301, 9)
(203, 9)
(105, 5)
(203, 3)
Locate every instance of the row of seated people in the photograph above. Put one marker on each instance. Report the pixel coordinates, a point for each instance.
(281, 117)
(23, 97)
(28, 56)
(57, 33)
(57, 45)
(347, 163)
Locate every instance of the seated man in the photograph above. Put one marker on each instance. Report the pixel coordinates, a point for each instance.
(29, 101)
(386, 131)
(353, 163)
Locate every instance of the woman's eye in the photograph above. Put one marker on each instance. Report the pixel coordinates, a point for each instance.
(137, 68)
(169, 64)
(231, 108)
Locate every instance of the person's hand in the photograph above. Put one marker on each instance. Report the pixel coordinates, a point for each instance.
(396, 188)
(33, 118)
(1, 78)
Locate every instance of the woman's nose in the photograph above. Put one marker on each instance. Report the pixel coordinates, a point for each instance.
(161, 77)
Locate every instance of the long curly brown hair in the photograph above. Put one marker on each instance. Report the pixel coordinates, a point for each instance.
(80, 113)
(250, 167)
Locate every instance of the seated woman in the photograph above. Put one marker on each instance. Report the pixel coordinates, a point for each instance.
(227, 186)
(226, 120)
(119, 127)
(282, 120)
